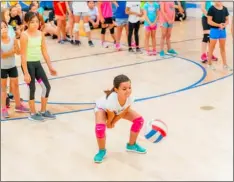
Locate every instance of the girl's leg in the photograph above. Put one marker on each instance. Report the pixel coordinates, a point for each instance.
(119, 33)
(87, 27)
(211, 50)
(4, 112)
(71, 24)
(43, 81)
(147, 37)
(222, 43)
(153, 38)
(205, 42)
(59, 27)
(100, 131)
(76, 27)
(130, 29)
(163, 37)
(63, 30)
(19, 107)
(112, 32)
(137, 124)
(168, 38)
(136, 33)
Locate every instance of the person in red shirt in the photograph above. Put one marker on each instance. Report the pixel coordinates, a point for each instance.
(60, 9)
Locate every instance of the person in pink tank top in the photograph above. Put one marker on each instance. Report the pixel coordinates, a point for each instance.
(106, 17)
(166, 19)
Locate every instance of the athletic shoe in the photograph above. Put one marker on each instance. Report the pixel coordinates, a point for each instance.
(135, 148)
(98, 158)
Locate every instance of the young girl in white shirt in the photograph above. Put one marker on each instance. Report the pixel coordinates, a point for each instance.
(113, 107)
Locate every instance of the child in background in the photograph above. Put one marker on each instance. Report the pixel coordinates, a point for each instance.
(121, 19)
(218, 20)
(133, 9)
(15, 21)
(166, 18)
(106, 18)
(151, 18)
(9, 47)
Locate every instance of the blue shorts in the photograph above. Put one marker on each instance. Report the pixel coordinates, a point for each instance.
(167, 25)
(216, 33)
(121, 21)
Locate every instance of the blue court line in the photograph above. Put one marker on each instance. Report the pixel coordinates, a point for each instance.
(137, 100)
(89, 103)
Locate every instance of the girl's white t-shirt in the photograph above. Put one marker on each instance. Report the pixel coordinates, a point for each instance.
(112, 104)
(134, 7)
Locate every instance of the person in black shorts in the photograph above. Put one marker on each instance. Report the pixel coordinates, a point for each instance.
(205, 6)
(218, 19)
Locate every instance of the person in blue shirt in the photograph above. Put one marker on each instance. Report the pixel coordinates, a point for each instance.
(121, 19)
(151, 16)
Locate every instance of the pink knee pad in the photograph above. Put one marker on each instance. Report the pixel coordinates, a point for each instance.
(100, 130)
(137, 124)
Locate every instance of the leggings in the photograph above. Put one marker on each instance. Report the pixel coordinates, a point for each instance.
(36, 71)
(133, 27)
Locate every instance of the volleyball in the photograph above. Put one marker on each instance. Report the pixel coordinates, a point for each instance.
(156, 130)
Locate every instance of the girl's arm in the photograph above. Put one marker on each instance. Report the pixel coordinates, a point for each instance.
(45, 52)
(100, 12)
(212, 23)
(203, 8)
(8, 53)
(146, 17)
(156, 20)
(68, 7)
(112, 118)
(23, 52)
(226, 21)
(128, 12)
(163, 12)
(16, 47)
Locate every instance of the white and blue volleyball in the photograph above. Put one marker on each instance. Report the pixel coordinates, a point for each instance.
(156, 130)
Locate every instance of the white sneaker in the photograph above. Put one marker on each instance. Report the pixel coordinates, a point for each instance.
(210, 66)
(226, 67)
(105, 45)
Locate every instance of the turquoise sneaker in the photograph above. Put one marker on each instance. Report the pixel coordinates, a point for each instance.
(162, 53)
(135, 148)
(172, 51)
(98, 158)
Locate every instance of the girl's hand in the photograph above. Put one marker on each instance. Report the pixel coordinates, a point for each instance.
(53, 72)
(152, 25)
(27, 78)
(171, 21)
(221, 26)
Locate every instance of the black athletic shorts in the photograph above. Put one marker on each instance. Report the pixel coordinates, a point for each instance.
(12, 73)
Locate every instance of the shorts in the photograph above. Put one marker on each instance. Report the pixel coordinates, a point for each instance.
(205, 24)
(76, 13)
(11, 72)
(216, 33)
(121, 21)
(108, 20)
(149, 28)
(167, 25)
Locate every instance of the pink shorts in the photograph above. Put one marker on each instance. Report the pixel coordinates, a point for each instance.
(149, 28)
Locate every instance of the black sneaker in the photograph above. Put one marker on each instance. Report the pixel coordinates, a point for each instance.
(54, 36)
(138, 50)
(90, 43)
(130, 50)
(77, 42)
